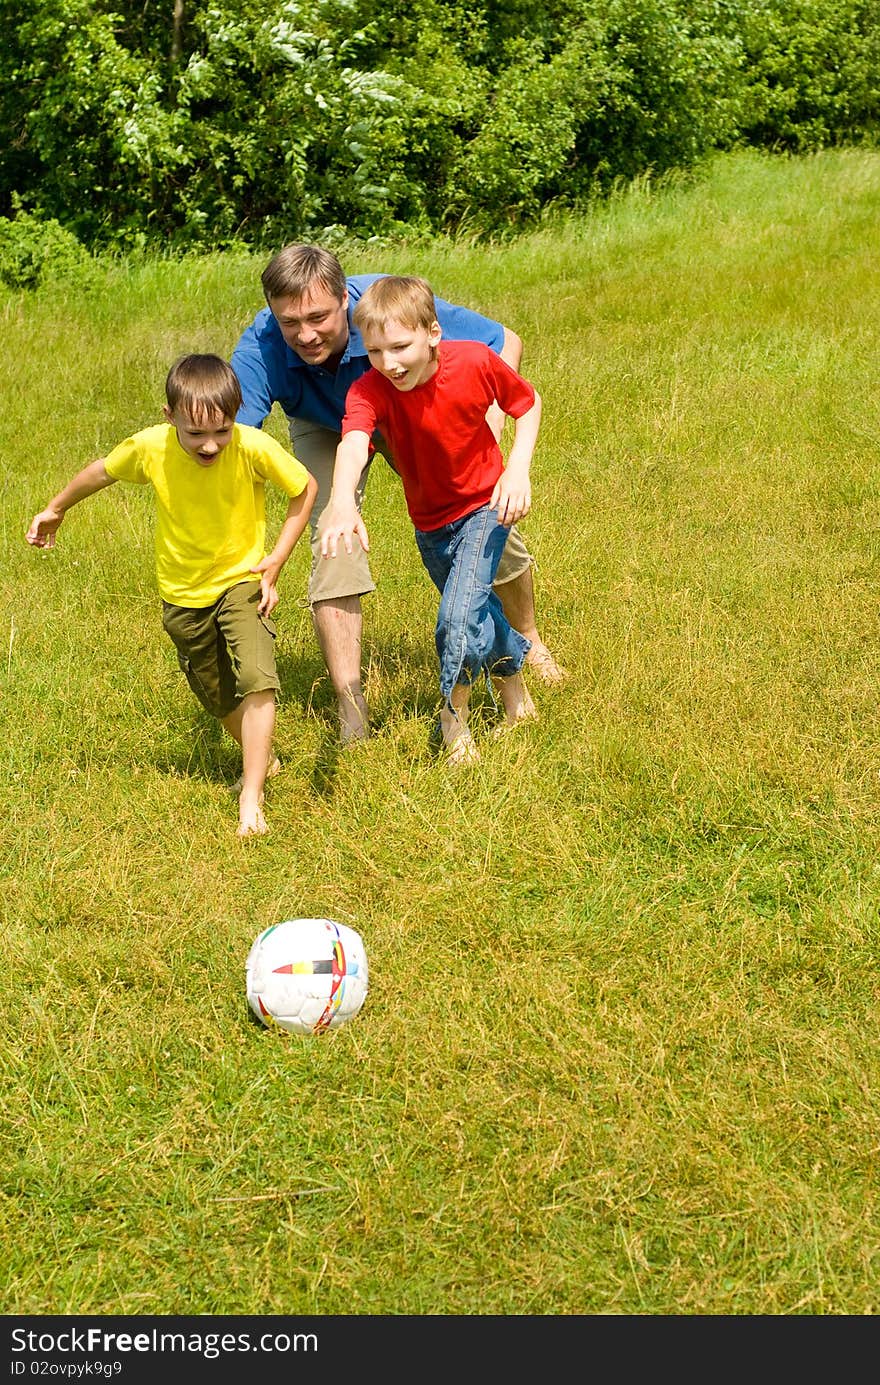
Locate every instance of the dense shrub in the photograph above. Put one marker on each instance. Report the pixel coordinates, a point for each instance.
(258, 121)
(811, 73)
(93, 143)
(32, 250)
(630, 90)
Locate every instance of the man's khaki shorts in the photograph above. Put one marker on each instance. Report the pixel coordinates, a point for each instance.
(348, 574)
(226, 650)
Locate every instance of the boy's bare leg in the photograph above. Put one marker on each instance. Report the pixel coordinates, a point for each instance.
(273, 768)
(252, 724)
(459, 743)
(517, 597)
(232, 723)
(515, 699)
(339, 625)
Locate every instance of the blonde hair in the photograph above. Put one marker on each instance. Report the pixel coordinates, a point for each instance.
(202, 385)
(297, 268)
(403, 298)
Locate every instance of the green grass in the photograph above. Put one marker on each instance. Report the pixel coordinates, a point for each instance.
(618, 1054)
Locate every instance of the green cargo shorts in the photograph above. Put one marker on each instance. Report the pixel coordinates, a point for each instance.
(226, 650)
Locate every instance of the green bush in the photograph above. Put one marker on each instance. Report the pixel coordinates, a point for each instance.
(95, 141)
(633, 88)
(259, 121)
(32, 250)
(811, 73)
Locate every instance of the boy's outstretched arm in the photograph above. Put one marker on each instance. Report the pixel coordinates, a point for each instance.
(342, 519)
(512, 496)
(298, 510)
(45, 525)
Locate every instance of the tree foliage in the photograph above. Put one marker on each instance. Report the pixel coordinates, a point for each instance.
(208, 122)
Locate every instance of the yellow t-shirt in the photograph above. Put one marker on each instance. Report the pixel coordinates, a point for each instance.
(210, 521)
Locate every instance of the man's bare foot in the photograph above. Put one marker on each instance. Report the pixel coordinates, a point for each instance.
(251, 822)
(515, 699)
(274, 768)
(354, 720)
(542, 663)
(457, 739)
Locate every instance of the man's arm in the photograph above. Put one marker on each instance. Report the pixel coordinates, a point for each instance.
(45, 525)
(251, 360)
(511, 352)
(463, 324)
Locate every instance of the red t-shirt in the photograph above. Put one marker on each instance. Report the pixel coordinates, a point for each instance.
(437, 433)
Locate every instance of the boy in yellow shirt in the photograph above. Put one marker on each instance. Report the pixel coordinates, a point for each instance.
(217, 583)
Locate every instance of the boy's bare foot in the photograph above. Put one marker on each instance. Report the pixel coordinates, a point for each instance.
(544, 666)
(354, 720)
(457, 739)
(274, 768)
(462, 751)
(515, 699)
(251, 822)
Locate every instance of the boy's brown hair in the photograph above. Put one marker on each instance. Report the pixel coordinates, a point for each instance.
(203, 385)
(297, 268)
(403, 298)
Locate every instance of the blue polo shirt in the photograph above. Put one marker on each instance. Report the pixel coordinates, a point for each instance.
(271, 372)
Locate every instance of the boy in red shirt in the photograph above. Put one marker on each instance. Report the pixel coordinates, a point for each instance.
(429, 400)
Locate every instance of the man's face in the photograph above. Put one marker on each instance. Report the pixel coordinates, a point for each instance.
(315, 326)
(407, 356)
(203, 436)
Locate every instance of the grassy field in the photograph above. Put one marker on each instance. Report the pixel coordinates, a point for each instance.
(619, 1053)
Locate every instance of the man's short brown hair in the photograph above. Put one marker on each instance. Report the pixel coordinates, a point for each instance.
(298, 268)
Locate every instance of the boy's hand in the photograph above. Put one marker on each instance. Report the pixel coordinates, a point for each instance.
(512, 496)
(342, 524)
(44, 527)
(267, 570)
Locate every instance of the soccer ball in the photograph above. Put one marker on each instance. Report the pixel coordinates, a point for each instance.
(307, 975)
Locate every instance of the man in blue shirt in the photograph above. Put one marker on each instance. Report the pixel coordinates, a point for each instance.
(302, 352)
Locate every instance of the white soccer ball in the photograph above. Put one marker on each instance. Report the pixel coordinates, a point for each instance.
(307, 975)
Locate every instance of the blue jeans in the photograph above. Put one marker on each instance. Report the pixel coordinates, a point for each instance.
(472, 631)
